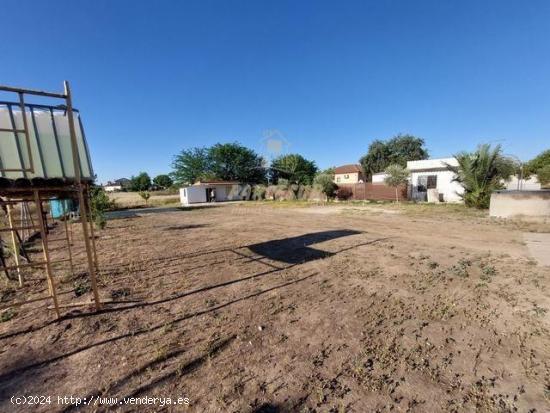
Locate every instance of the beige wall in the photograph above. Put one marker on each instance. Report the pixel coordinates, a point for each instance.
(352, 178)
(520, 203)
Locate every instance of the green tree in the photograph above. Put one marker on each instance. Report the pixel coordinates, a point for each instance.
(141, 182)
(145, 195)
(480, 173)
(163, 181)
(396, 175)
(538, 162)
(325, 181)
(397, 150)
(295, 168)
(543, 175)
(190, 165)
(99, 204)
(328, 171)
(234, 162)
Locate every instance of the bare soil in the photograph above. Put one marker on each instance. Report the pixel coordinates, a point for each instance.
(251, 308)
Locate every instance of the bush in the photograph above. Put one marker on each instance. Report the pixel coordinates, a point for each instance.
(326, 184)
(543, 175)
(343, 193)
(259, 192)
(145, 195)
(270, 192)
(283, 183)
(99, 204)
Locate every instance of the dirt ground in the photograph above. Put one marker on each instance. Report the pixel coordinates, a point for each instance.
(256, 308)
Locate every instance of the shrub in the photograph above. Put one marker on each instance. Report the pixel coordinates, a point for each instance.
(543, 175)
(145, 195)
(343, 193)
(7, 315)
(283, 183)
(480, 173)
(259, 192)
(270, 192)
(99, 204)
(326, 184)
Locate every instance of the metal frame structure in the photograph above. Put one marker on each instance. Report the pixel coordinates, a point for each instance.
(27, 193)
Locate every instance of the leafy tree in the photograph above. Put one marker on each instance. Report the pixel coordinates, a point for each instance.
(543, 175)
(227, 162)
(190, 165)
(396, 175)
(480, 173)
(234, 162)
(145, 195)
(99, 204)
(398, 150)
(295, 168)
(326, 182)
(376, 159)
(328, 171)
(538, 162)
(141, 182)
(163, 181)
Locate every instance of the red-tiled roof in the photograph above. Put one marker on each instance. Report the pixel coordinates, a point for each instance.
(348, 169)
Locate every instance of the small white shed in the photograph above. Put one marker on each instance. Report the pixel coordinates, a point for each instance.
(432, 178)
(214, 191)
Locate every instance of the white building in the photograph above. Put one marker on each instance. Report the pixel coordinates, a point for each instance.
(214, 191)
(379, 178)
(431, 180)
(112, 187)
(529, 184)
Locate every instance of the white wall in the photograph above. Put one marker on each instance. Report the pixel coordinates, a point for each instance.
(531, 184)
(192, 195)
(197, 194)
(112, 188)
(506, 204)
(445, 185)
(379, 178)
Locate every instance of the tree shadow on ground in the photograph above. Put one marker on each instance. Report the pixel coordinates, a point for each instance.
(184, 227)
(296, 250)
(17, 371)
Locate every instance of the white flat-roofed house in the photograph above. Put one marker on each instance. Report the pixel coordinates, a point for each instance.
(431, 180)
(214, 191)
(112, 187)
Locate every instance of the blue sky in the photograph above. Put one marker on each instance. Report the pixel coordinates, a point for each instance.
(152, 78)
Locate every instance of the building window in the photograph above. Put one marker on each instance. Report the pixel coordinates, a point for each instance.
(346, 176)
(432, 182)
(426, 182)
(338, 179)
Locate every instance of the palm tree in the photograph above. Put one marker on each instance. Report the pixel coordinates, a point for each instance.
(480, 173)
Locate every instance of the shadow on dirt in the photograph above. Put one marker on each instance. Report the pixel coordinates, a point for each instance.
(296, 250)
(181, 370)
(8, 376)
(184, 227)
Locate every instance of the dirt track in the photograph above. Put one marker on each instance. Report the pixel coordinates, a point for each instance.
(254, 308)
